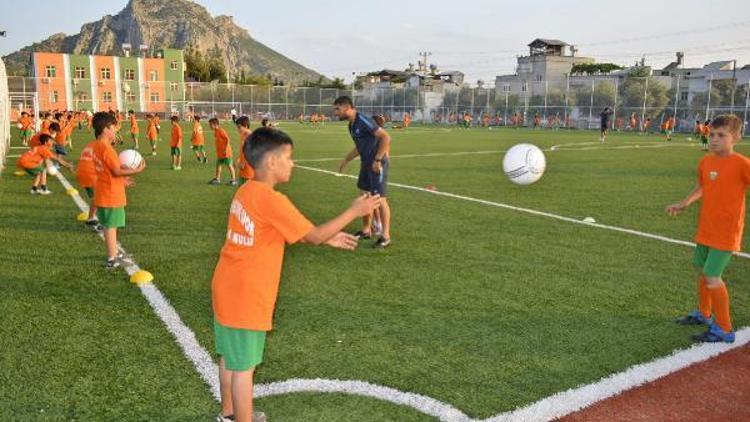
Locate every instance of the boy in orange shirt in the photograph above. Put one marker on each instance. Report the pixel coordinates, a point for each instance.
(86, 175)
(111, 180)
(243, 167)
(176, 143)
(52, 130)
(32, 162)
(223, 153)
(246, 280)
(133, 128)
(723, 178)
(197, 142)
(705, 133)
(25, 121)
(151, 133)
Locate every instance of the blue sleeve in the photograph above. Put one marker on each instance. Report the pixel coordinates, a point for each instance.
(369, 124)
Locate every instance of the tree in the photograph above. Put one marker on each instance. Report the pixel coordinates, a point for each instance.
(632, 90)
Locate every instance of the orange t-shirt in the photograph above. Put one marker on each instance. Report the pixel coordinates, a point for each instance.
(245, 284)
(34, 157)
(85, 170)
(176, 140)
(109, 191)
(151, 132)
(706, 130)
(45, 125)
(25, 123)
(61, 135)
(223, 148)
(133, 125)
(34, 141)
(246, 170)
(198, 138)
(722, 215)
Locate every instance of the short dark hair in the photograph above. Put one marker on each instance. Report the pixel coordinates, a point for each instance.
(213, 120)
(44, 138)
(262, 141)
(131, 112)
(344, 100)
(243, 121)
(100, 122)
(23, 113)
(264, 122)
(54, 127)
(58, 116)
(197, 118)
(174, 119)
(729, 121)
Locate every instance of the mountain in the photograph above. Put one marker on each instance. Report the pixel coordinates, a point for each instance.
(169, 24)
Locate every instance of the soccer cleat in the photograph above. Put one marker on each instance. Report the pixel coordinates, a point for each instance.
(34, 191)
(382, 243)
(360, 235)
(694, 318)
(44, 192)
(257, 417)
(214, 182)
(232, 183)
(112, 263)
(715, 334)
(92, 222)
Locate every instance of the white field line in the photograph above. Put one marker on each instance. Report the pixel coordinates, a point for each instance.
(554, 406)
(553, 148)
(13, 156)
(529, 211)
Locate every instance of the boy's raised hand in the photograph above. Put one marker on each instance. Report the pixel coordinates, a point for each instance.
(674, 209)
(343, 240)
(365, 204)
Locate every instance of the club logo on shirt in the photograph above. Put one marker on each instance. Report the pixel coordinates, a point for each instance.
(248, 226)
(713, 175)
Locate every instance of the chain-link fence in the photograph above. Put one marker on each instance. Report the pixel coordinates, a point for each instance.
(637, 103)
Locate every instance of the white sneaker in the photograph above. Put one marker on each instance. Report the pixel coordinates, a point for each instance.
(34, 192)
(44, 192)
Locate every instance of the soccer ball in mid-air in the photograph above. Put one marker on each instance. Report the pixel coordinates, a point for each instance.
(524, 164)
(130, 158)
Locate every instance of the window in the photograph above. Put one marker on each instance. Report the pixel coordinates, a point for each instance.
(154, 97)
(684, 95)
(80, 72)
(539, 78)
(506, 87)
(105, 73)
(173, 86)
(173, 65)
(54, 97)
(523, 87)
(129, 74)
(107, 97)
(83, 97)
(153, 76)
(50, 71)
(130, 97)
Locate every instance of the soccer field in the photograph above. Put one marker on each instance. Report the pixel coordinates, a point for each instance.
(479, 303)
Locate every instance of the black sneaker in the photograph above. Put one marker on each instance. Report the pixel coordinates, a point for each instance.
(360, 235)
(382, 243)
(214, 182)
(693, 318)
(92, 222)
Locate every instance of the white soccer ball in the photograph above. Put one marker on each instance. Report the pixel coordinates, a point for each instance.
(524, 164)
(130, 158)
(690, 139)
(19, 125)
(52, 170)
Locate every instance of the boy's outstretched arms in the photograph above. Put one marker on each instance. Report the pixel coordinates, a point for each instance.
(330, 232)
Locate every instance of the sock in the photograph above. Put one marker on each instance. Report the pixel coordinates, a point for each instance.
(43, 187)
(34, 188)
(704, 297)
(720, 300)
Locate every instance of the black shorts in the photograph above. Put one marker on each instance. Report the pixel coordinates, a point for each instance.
(375, 183)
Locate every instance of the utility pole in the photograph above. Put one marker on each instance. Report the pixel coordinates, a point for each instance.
(734, 84)
(424, 55)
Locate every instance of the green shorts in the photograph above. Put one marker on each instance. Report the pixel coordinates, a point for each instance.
(227, 161)
(198, 148)
(176, 151)
(704, 139)
(712, 262)
(89, 192)
(36, 170)
(242, 349)
(26, 133)
(111, 218)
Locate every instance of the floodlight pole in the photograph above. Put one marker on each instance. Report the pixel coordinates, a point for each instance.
(591, 106)
(734, 84)
(676, 97)
(614, 107)
(546, 89)
(708, 98)
(645, 96)
(505, 115)
(747, 101)
(567, 94)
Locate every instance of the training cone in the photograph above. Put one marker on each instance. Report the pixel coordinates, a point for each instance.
(83, 216)
(141, 277)
(19, 173)
(72, 191)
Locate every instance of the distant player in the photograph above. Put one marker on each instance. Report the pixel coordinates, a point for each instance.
(604, 123)
(705, 133)
(198, 140)
(152, 134)
(26, 128)
(633, 122)
(175, 143)
(86, 176)
(244, 168)
(133, 128)
(33, 163)
(223, 153)
(723, 179)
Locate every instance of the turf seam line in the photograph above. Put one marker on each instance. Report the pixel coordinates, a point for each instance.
(553, 148)
(528, 211)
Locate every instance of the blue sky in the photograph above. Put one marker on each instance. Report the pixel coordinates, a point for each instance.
(480, 38)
